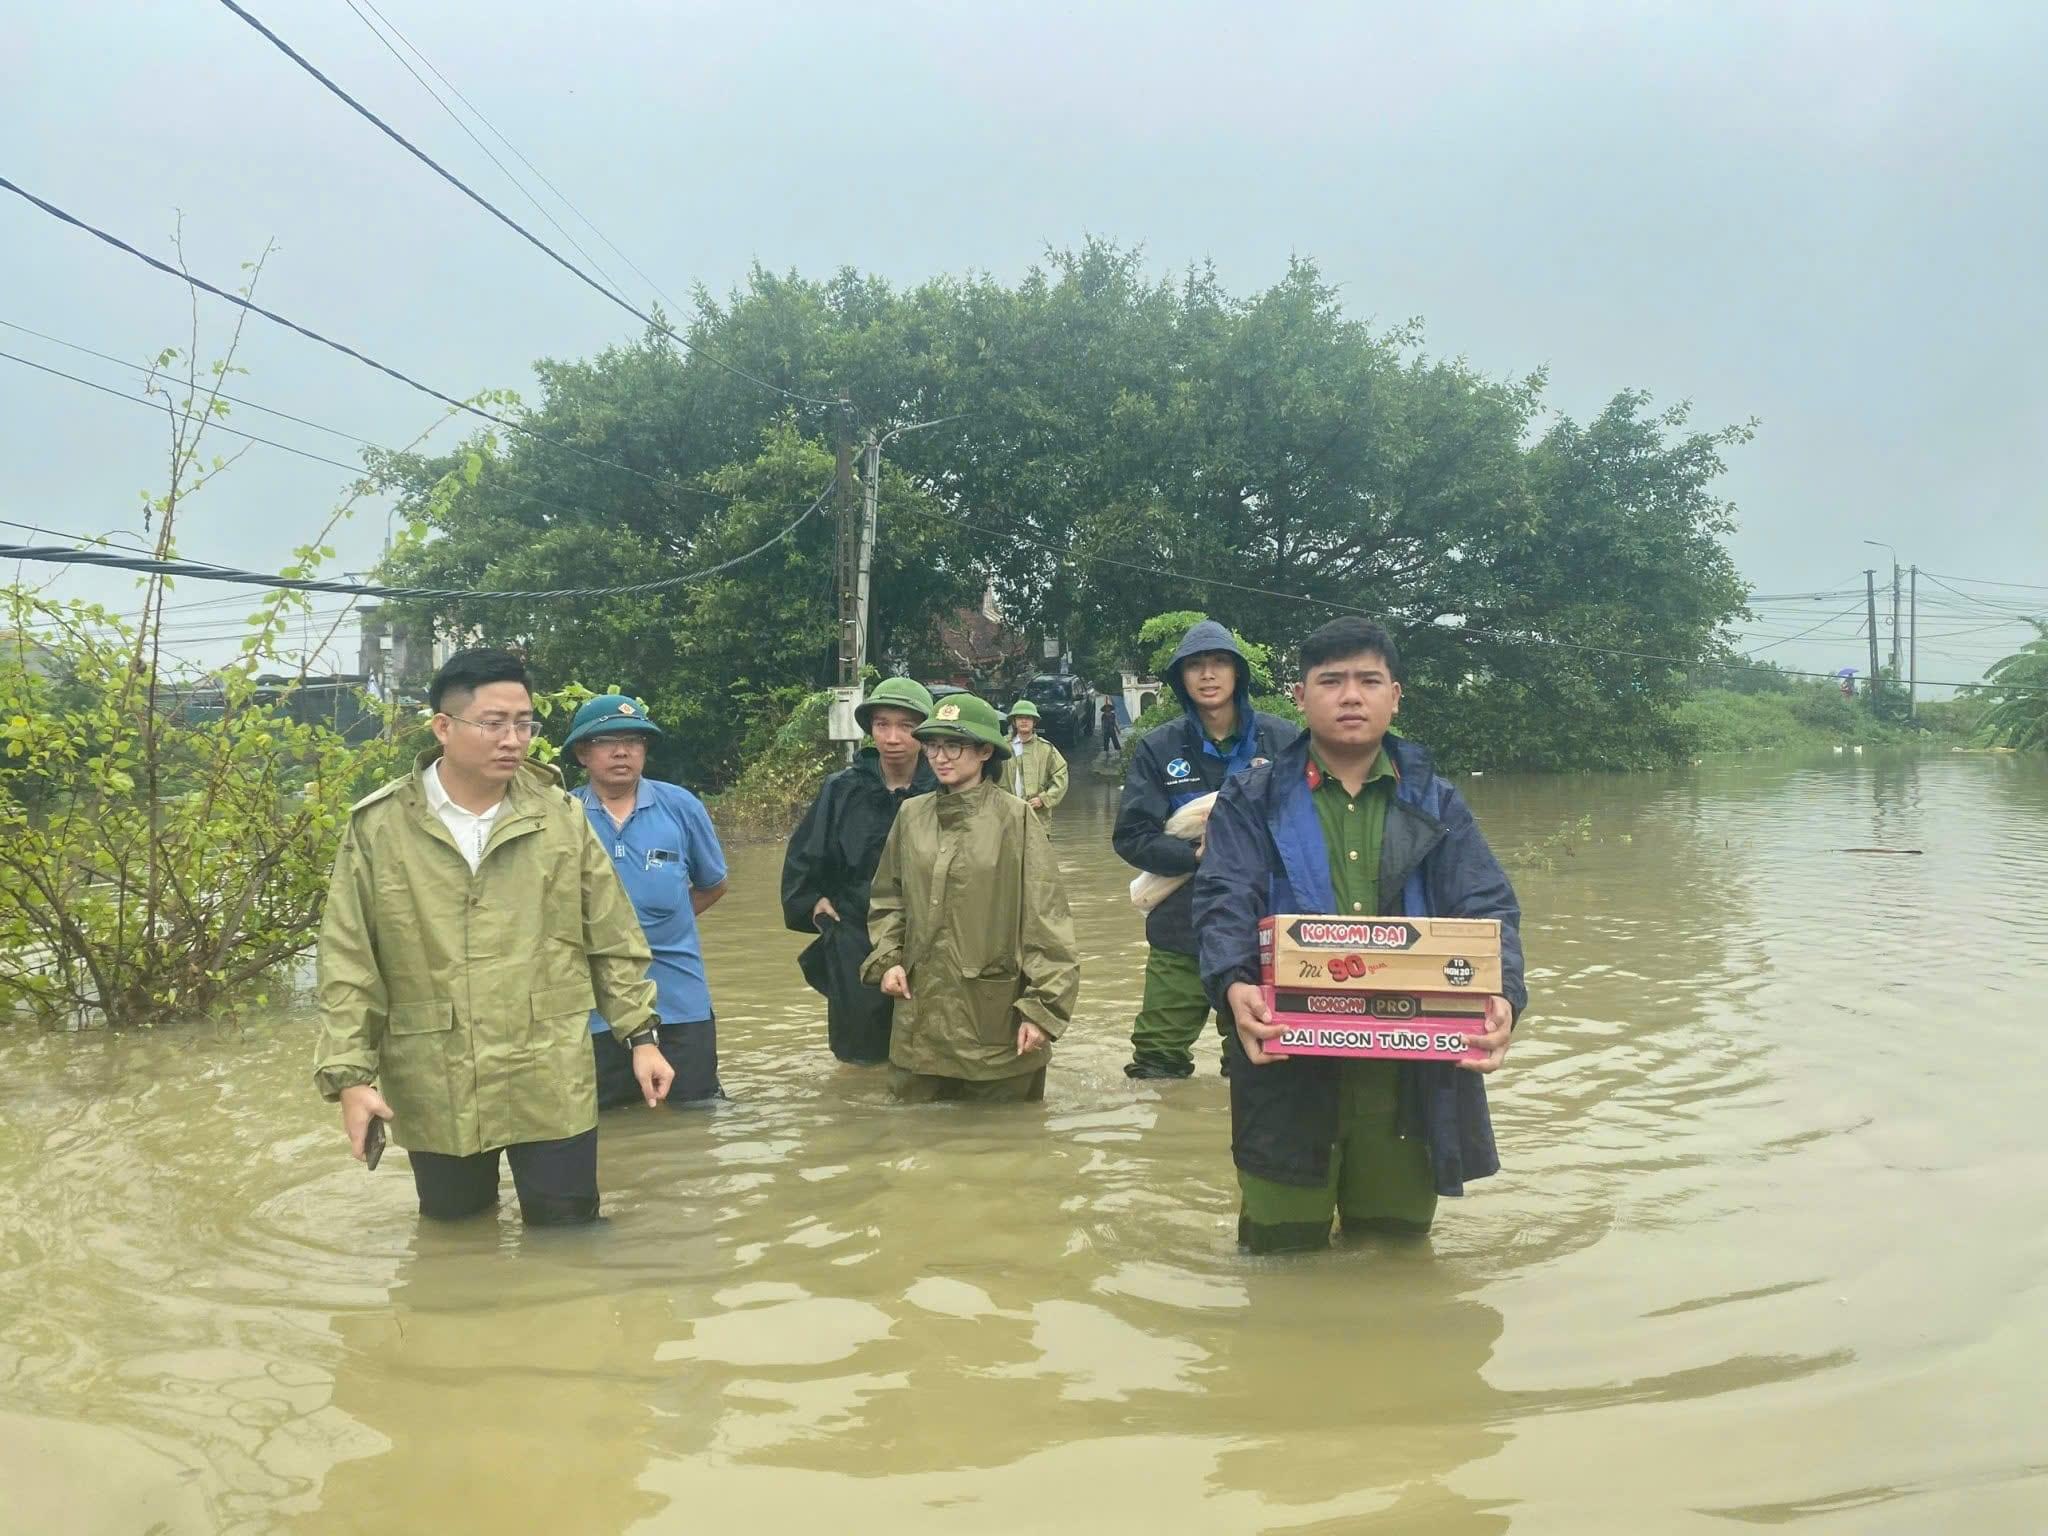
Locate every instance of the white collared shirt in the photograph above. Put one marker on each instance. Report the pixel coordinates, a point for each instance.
(470, 829)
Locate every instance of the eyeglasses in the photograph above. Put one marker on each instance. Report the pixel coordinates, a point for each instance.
(945, 748)
(619, 739)
(523, 727)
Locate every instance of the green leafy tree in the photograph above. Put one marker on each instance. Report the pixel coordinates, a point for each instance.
(1160, 636)
(1116, 443)
(2015, 697)
(165, 837)
(713, 657)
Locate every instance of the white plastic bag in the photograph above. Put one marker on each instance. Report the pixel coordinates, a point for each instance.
(1188, 823)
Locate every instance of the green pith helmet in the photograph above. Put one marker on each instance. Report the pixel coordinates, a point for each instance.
(963, 717)
(606, 714)
(1025, 708)
(894, 693)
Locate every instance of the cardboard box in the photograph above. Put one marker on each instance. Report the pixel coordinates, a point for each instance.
(1398, 1026)
(1313, 952)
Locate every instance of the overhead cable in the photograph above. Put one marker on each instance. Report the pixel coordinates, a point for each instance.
(194, 570)
(498, 134)
(1460, 630)
(456, 117)
(339, 346)
(508, 221)
(214, 423)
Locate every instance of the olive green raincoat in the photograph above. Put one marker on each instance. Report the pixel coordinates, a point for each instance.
(466, 998)
(1036, 767)
(968, 901)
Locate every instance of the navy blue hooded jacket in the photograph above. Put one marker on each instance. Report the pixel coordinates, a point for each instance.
(1266, 854)
(1175, 763)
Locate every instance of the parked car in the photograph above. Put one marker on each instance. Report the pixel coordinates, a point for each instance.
(1063, 713)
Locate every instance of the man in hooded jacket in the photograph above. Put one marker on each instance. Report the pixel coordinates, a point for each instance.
(1218, 737)
(830, 865)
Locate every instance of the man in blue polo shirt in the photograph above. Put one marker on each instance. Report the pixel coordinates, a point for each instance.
(667, 855)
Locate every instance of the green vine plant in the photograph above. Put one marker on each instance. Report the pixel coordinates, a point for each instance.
(166, 833)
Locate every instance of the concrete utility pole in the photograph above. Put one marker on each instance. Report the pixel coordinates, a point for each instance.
(1913, 662)
(847, 561)
(871, 473)
(855, 562)
(1870, 578)
(1896, 669)
(1870, 601)
(846, 575)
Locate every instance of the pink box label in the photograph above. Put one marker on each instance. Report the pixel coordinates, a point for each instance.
(1418, 1039)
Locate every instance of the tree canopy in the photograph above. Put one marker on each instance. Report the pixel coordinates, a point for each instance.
(1123, 444)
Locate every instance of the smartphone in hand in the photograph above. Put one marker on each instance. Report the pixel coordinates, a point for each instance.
(373, 1143)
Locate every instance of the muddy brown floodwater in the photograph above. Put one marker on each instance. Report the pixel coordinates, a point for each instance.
(1769, 1249)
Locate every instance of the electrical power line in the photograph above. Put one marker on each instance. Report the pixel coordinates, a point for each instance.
(1799, 597)
(342, 347)
(541, 175)
(212, 423)
(1475, 630)
(456, 118)
(199, 571)
(215, 423)
(1823, 624)
(1985, 581)
(508, 221)
(212, 393)
(1995, 605)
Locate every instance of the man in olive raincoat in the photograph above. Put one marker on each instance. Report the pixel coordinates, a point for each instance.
(472, 923)
(970, 924)
(831, 861)
(1036, 772)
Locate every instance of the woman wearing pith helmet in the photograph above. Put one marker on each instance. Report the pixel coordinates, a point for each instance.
(1037, 771)
(667, 856)
(971, 931)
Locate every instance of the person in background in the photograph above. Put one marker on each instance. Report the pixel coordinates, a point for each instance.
(666, 852)
(972, 935)
(1218, 736)
(1352, 821)
(1036, 772)
(472, 923)
(831, 862)
(1111, 742)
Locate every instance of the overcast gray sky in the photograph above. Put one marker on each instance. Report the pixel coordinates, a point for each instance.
(1826, 216)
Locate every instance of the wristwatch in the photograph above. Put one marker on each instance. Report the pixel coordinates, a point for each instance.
(641, 1037)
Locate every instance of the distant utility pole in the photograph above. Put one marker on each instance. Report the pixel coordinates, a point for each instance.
(855, 563)
(871, 489)
(847, 561)
(1870, 582)
(871, 469)
(1896, 636)
(1913, 663)
(1870, 601)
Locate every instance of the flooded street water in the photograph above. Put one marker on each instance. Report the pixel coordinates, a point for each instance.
(1768, 1250)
